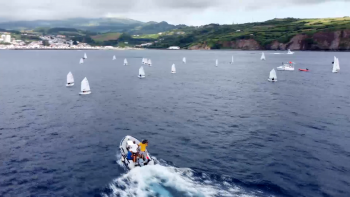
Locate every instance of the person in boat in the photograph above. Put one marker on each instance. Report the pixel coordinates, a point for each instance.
(273, 79)
(133, 148)
(140, 76)
(68, 83)
(143, 146)
(129, 155)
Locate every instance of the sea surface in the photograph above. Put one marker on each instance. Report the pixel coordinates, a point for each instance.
(215, 131)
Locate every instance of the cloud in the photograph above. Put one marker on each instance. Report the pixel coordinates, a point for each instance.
(176, 11)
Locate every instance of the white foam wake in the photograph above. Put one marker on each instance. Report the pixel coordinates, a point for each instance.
(169, 181)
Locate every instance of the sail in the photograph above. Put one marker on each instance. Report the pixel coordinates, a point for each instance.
(70, 78)
(81, 61)
(335, 65)
(150, 62)
(273, 74)
(232, 60)
(114, 58)
(141, 72)
(263, 56)
(173, 69)
(85, 85)
(125, 62)
(184, 60)
(85, 56)
(338, 66)
(143, 60)
(217, 63)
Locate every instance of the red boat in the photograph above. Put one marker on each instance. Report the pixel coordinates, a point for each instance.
(305, 70)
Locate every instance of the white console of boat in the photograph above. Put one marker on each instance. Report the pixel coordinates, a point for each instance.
(289, 66)
(127, 141)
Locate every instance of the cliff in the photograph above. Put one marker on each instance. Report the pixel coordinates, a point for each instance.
(336, 40)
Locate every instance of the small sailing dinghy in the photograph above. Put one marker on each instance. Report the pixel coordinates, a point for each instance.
(184, 60)
(290, 52)
(125, 62)
(85, 56)
(126, 142)
(232, 60)
(70, 80)
(149, 62)
(173, 69)
(273, 76)
(336, 67)
(142, 73)
(217, 63)
(143, 60)
(85, 87)
(81, 61)
(263, 56)
(114, 58)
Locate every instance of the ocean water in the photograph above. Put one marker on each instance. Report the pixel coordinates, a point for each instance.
(216, 131)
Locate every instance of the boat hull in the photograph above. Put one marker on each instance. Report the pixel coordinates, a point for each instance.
(173, 72)
(84, 93)
(123, 150)
(272, 80)
(304, 70)
(69, 85)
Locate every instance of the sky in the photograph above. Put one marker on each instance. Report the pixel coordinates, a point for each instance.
(189, 12)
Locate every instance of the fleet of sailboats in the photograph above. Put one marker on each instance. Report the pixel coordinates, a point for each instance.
(173, 69)
(70, 80)
(85, 87)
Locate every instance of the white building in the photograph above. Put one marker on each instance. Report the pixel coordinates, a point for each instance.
(174, 48)
(7, 39)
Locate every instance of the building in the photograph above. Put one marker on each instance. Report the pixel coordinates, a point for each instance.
(7, 38)
(174, 48)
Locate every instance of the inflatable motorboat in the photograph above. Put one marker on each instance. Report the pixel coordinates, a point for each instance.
(130, 164)
(305, 70)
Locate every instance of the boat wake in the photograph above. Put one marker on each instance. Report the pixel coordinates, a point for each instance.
(169, 181)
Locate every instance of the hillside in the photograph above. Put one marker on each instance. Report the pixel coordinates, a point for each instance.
(276, 34)
(100, 25)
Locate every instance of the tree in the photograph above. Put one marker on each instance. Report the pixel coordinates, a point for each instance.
(46, 43)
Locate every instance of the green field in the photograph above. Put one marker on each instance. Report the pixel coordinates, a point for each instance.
(106, 37)
(150, 36)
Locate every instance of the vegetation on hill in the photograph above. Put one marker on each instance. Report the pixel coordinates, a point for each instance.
(281, 30)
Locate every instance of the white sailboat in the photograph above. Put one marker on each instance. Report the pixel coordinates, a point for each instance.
(217, 63)
(70, 80)
(336, 67)
(85, 56)
(232, 60)
(81, 61)
(263, 56)
(149, 62)
(143, 60)
(184, 60)
(141, 73)
(85, 87)
(114, 58)
(273, 76)
(290, 52)
(173, 69)
(125, 62)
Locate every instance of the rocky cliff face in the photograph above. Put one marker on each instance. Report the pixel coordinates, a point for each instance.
(337, 40)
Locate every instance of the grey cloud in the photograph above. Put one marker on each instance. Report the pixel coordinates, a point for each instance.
(142, 9)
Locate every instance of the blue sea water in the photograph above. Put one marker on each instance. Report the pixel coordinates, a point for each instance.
(216, 131)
